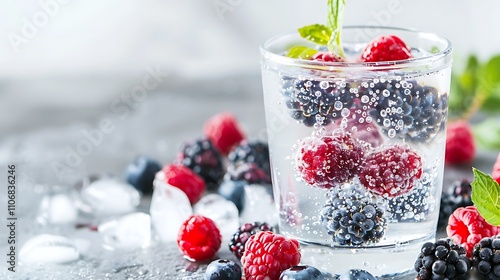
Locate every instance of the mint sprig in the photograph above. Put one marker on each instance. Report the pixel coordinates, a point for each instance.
(301, 52)
(486, 197)
(317, 33)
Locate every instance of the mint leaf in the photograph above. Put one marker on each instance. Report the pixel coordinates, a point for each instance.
(317, 33)
(301, 52)
(487, 134)
(486, 197)
(489, 84)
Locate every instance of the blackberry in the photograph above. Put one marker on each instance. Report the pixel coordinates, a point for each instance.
(251, 152)
(315, 101)
(442, 260)
(410, 207)
(458, 195)
(486, 257)
(249, 172)
(416, 113)
(240, 237)
(204, 159)
(352, 219)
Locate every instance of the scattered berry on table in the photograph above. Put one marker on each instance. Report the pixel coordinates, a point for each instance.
(141, 173)
(326, 57)
(386, 48)
(467, 227)
(185, 179)
(407, 110)
(357, 274)
(251, 152)
(303, 272)
(241, 236)
(458, 195)
(249, 172)
(495, 174)
(327, 161)
(412, 206)
(223, 269)
(460, 146)
(315, 101)
(199, 238)
(351, 218)
(268, 254)
(392, 171)
(233, 191)
(224, 132)
(442, 260)
(204, 159)
(486, 257)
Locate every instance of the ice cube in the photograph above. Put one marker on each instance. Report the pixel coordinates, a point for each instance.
(58, 209)
(108, 197)
(47, 248)
(170, 207)
(259, 205)
(129, 232)
(222, 211)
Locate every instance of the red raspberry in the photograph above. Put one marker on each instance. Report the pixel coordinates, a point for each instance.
(199, 238)
(329, 160)
(466, 227)
(495, 174)
(386, 48)
(326, 57)
(460, 146)
(391, 171)
(185, 179)
(224, 132)
(268, 254)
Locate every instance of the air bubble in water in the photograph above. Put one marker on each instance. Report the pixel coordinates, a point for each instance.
(383, 113)
(308, 84)
(391, 133)
(386, 93)
(345, 112)
(407, 91)
(324, 85)
(338, 105)
(317, 93)
(365, 99)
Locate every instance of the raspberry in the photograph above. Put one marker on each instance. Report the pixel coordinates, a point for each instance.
(204, 159)
(248, 172)
(495, 174)
(326, 57)
(392, 171)
(460, 147)
(241, 236)
(386, 48)
(267, 255)
(185, 179)
(351, 218)
(329, 160)
(224, 132)
(251, 152)
(458, 195)
(466, 227)
(442, 260)
(486, 257)
(199, 238)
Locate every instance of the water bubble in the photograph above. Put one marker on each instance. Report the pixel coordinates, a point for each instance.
(308, 83)
(391, 133)
(317, 93)
(345, 112)
(324, 85)
(368, 119)
(386, 93)
(338, 105)
(407, 92)
(383, 114)
(365, 99)
(353, 90)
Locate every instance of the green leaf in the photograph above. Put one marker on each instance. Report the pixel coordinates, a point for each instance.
(487, 134)
(317, 33)
(301, 52)
(457, 96)
(335, 19)
(486, 197)
(489, 84)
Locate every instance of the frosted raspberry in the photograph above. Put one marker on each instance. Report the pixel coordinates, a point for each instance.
(460, 147)
(329, 160)
(392, 171)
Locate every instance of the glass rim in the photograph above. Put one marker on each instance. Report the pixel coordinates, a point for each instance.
(384, 65)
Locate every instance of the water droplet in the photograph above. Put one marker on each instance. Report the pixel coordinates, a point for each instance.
(324, 85)
(386, 93)
(338, 105)
(383, 113)
(407, 91)
(345, 112)
(308, 83)
(391, 133)
(365, 99)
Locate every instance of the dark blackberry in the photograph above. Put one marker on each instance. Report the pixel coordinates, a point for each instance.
(414, 112)
(410, 207)
(486, 257)
(351, 219)
(251, 152)
(315, 101)
(241, 236)
(205, 160)
(442, 260)
(248, 172)
(458, 195)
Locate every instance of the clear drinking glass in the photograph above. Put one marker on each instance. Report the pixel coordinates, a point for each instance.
(393, 115)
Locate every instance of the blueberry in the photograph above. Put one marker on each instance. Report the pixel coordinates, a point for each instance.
(357, 274)
(141, 172)
(233, 191)
(302, 272)
(223, 270)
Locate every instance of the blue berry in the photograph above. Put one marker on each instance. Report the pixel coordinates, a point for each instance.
(141, 173)
(357, 274)
(223, 270)
(233, 191)
(302, 272)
